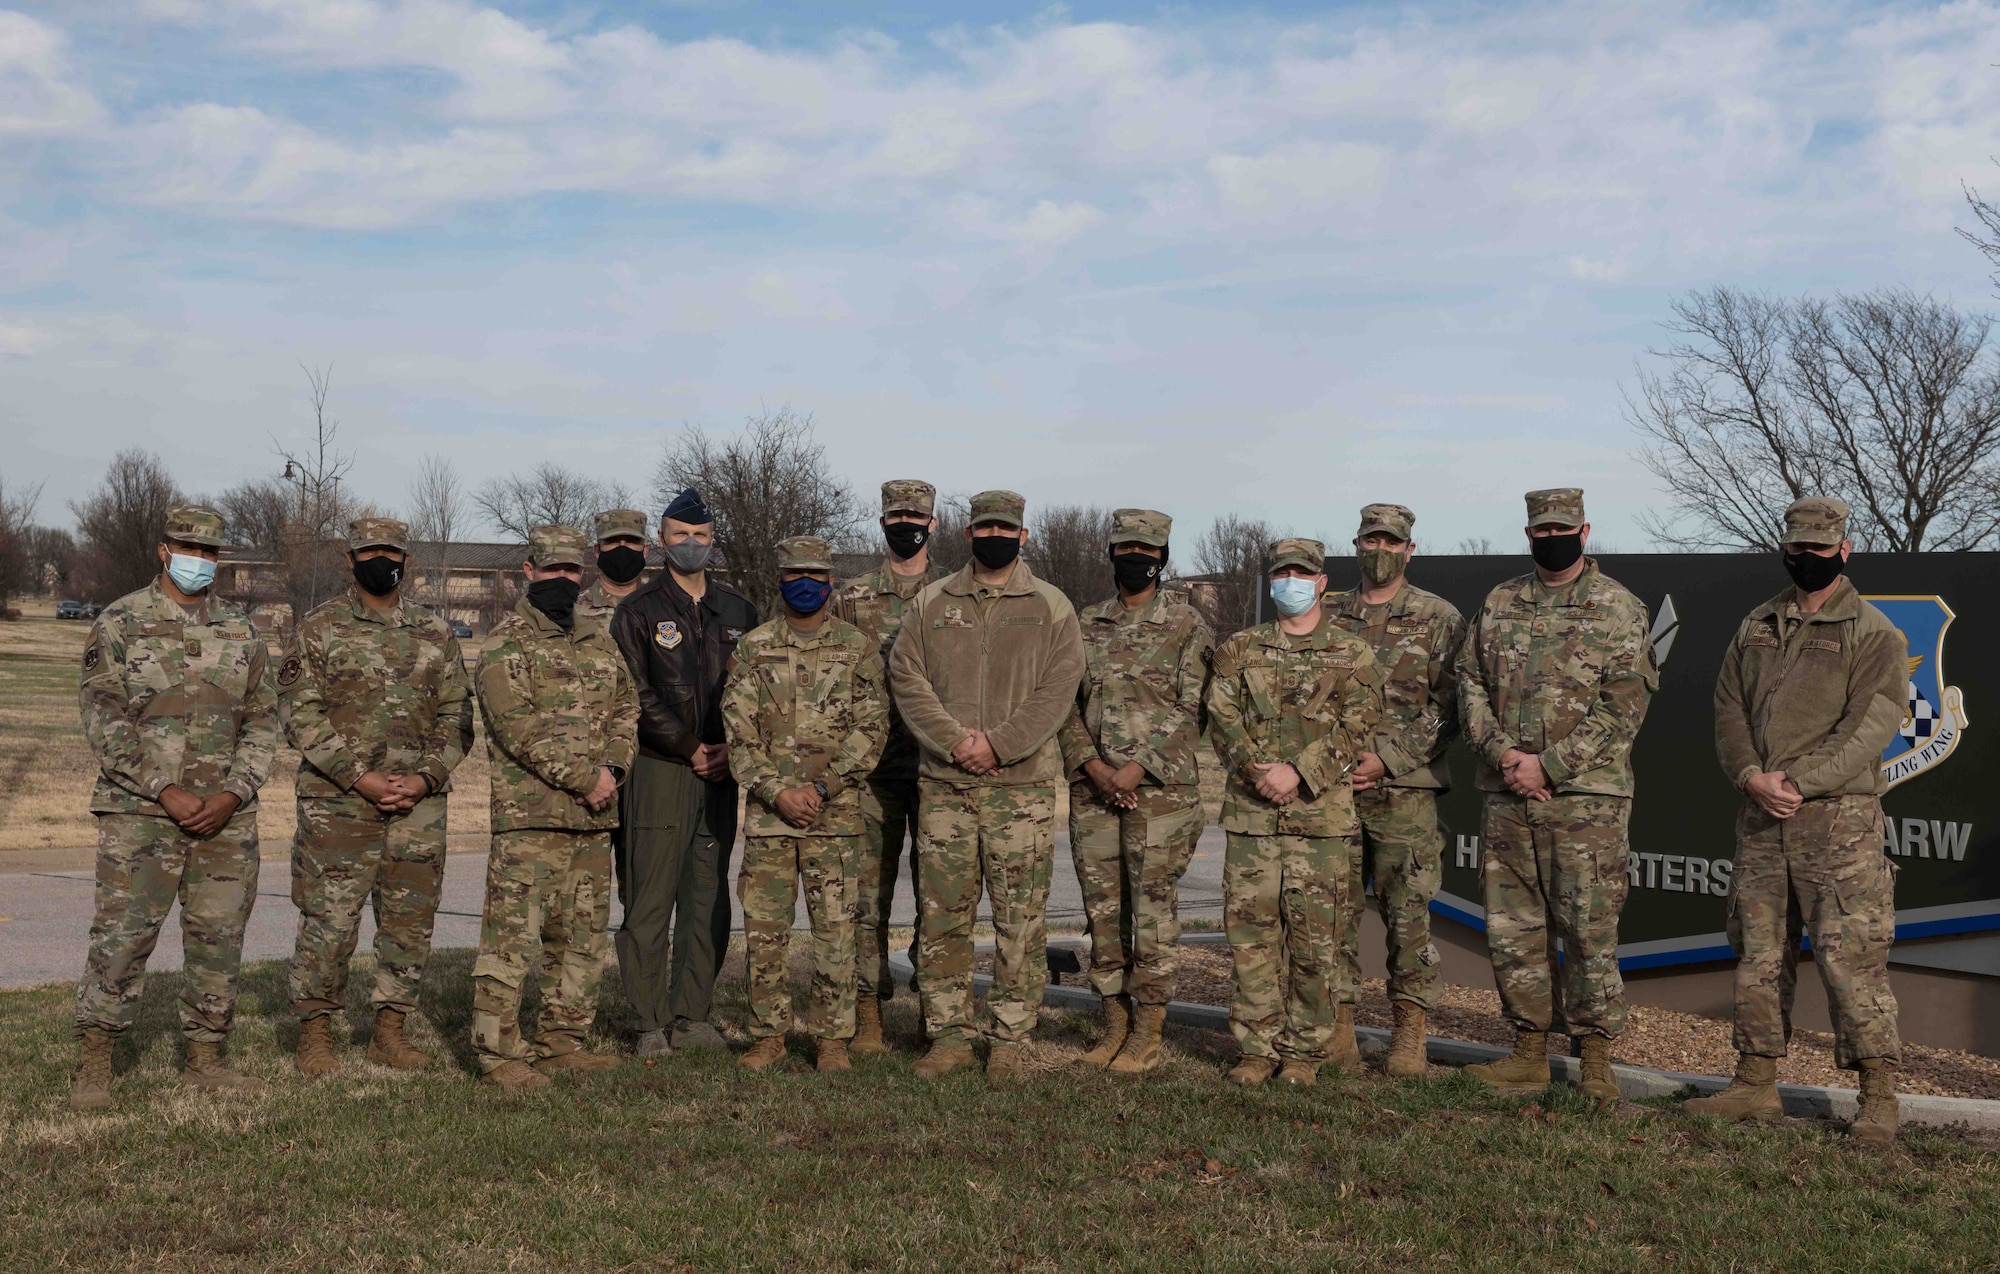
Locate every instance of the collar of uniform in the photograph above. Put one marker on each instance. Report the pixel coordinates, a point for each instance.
(802, 640)
(674, 589)
(168, 608)
(1845, 604)
(885, 580)
(390, 617)
(1019, 584)
(543, 625)
(1279, 639)
(1575, 593)
(1115, 611)
(1350, 603)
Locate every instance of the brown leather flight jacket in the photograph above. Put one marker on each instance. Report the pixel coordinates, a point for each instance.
(678, 651)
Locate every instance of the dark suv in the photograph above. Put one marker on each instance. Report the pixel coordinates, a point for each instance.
(76, 610)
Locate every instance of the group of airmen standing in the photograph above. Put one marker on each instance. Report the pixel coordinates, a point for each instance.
(940, 714)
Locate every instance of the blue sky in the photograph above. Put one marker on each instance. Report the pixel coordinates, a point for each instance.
(1279, 260)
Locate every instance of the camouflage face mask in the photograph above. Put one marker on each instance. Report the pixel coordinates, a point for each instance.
(1379, 566)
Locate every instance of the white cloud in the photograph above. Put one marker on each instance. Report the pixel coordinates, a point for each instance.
(37, 96)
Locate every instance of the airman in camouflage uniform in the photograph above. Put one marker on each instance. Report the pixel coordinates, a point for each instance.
(807, 713)
(1289, 712)
(1415, 637)
(177, 707)
(1129, 750)
(561, 728)
(374, 695)
(985, 672)
(617, 529)
(875, 603)
(1554, 679)
(1813, 689)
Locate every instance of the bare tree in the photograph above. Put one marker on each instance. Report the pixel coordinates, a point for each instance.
(949, 547)
(258, 513)
(1476, 546)
(1987, 237)
(121, 523)
(315, 535)
(547, 495)
(51, 555)
(437, 514)
(765, 482)
(1066, 548)
(1230, 558)
(1888, 400)
(17, 525)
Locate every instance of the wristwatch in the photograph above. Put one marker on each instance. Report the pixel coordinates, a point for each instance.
(819, 786)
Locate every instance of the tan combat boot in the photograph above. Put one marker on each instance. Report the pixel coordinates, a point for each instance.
(867, 1040)
(1875, 1123)
(1251, 1071)
(1753, 1094)
(1525, 1070)
(1142, 1047)
(92, 1090)
(390, 1047)
(205, 1068)
(582, 1061)
(1003, 1063)
(943, 1059)
(1345, 1052)
(764, 1053)
(1406, 1042)
(830, 1055)
(1303, 1074)
(1117, 1028)
(315, 1056)
(1594, 1055)
(514, 1075)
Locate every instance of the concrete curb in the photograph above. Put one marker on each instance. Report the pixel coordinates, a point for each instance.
(1802, 1101)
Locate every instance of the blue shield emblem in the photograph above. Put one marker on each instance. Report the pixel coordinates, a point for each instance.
(1934, 716)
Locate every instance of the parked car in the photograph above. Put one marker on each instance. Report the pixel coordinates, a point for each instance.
(459, 628)
(76, 610)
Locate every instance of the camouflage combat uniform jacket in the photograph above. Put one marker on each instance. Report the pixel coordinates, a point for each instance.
(1564, 673)
(363, 689)
(557, 705)
(802, 707)
(1145, 673)
(1416, 651)
(875, 604)
(1309, 701)
(173, 697)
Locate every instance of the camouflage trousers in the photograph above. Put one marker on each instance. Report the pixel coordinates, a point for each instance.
(1821, 872)
(1003, 837)
(1555, 869)
(1402, 850)
(529, 874)
(889, 815)
(347, 854)
(145, 864)
(1282, 897)
(1129, 865)
(768, 888)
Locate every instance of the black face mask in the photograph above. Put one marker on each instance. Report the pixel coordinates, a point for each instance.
(1812, 572)
(1556, 552)
(906, 538)
(995, 551)
(621, 565)
(379, 576)
(556, 598)
(1136, 572)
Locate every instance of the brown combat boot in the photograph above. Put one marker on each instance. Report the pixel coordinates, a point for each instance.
(582, 1061)
(205, 1068)
(1142, 1047)
(1753, 1094)
(1251, 1071)
(1594, 1055)
(867, 1040)
(315, 1056)
(1406, 1042)
(1875, 1123)
(514, 1075)
(943, 1059)
(1303, 1074)
(390, 1047)
(1525, 1070)
(830, 1055)
(1117, 1029)
(92, 1090)
(1003, 1063)
(764, 1053)
(1345, 1052)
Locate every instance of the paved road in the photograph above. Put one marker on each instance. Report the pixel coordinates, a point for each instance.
(46, 926)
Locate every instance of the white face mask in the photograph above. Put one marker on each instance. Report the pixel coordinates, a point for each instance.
(1293, 595)
(190, 574)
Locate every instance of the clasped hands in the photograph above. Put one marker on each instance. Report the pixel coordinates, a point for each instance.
(1775, 794)
(1120, 786)
(198, 815)
(1524, 775)
(392, 793)
(975, 755)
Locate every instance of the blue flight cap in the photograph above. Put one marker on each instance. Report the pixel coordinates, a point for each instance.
(689, 507)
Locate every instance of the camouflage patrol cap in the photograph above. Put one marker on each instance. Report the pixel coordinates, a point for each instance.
(908, 495)
(1139, 526)
(1310, 554)
(1557, 506)
(613, 522)
(1386, 519)
(194, 524)
(1817, 519)
(556, 546)
(998, 506)
(804, 553)
(382, 533)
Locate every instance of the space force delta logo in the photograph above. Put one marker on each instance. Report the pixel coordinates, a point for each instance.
(1934, 715)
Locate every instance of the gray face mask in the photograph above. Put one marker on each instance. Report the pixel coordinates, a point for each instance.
(689, 557)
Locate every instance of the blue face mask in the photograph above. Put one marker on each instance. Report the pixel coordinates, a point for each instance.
(1293, 595)
(807, 595)
(190, 574)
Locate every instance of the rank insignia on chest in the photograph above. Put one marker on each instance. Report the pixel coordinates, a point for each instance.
(288, 672)
(666, 634)
(732, 634)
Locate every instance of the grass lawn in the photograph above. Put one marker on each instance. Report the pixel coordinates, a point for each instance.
(694, 1164)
